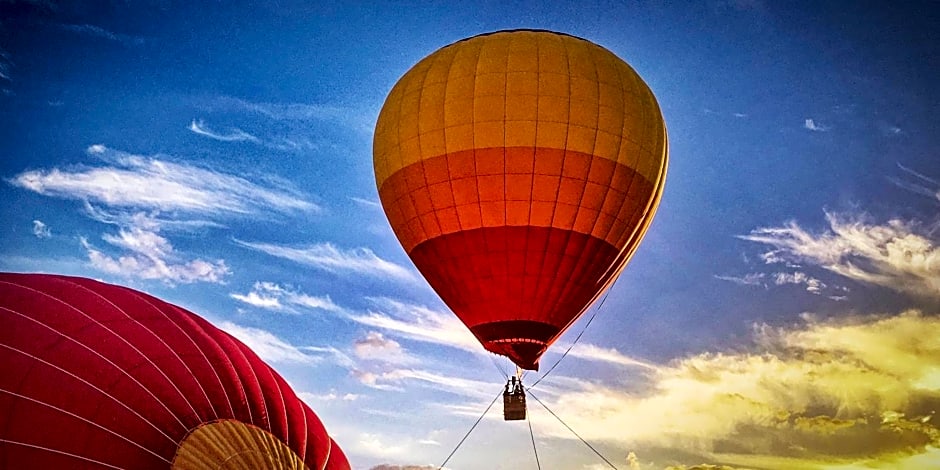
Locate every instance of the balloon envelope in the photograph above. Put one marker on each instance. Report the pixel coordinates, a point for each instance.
(519, 170)
(94, 375)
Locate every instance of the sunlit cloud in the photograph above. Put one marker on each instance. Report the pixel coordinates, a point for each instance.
(330, 396)
(418, 323)
(41, 230)
(398, 379)
(233, 135)
(750, 279)
(356, 119)
(148, 183)
(272, 296)
(147, 255)
(376, 347)
(814, 126)
(591, 352)
(829, 394)
(894, 254)
(328, 257)
(268, 346)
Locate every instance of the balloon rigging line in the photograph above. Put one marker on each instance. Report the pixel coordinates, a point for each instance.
(586, 325)
(471, 430)
(534, 450)
(572, 431)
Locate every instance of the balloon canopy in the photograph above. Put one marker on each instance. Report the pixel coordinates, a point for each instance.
(520, 170)
(94, 375)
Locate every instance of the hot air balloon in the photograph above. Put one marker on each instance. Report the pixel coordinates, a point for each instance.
(520, 170)
(94, 375)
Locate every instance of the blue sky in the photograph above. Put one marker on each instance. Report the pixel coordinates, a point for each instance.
(781, 312)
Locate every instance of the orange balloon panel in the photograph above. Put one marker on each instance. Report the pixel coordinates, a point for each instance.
(519, 170)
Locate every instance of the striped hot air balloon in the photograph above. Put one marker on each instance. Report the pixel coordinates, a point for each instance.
(94, 375)
(520, 170)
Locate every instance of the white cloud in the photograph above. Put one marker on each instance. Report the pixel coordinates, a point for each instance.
(396, 379)
(367, 202)
(376, 347)
(918, 183)
(272, 296)
(234, 135)
(813, 126)
(590, 352)
(419, 323)
(750, 279)
(329, 258)
(893, 254)
(133, 181)
(799, 278)
(267, 346)
(99, 32)
(41, 230)
(151, 256)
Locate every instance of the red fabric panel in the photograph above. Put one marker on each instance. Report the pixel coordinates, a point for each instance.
(94, 375)
(496, 275)
(337, 459)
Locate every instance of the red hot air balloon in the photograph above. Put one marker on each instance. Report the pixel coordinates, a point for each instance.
(520, 170)
(94, 375)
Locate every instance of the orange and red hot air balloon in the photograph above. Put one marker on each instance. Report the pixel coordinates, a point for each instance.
(520, 170)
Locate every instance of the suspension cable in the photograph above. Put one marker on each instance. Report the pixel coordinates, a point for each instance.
(471, 430)
(532, 435)
(586, 325)
(572, 431)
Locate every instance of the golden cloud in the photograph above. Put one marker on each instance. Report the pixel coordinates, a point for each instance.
(824, 395)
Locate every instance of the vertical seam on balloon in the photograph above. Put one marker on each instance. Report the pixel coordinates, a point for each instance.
(566, 287)
(420, 164)
(92, 350)
(60, 452)
(251, 366)
(229, 348)
(178, 357)
(542, 303)
(86, 420)
(306, 433)
(144, 356)
(211, 365)
(100, 390)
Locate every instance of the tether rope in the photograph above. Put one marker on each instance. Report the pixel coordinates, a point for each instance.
(532, 435)
(470, 431)
(586, 325)
(572, 431)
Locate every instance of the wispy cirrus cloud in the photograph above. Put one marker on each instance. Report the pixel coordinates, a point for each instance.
(99, 32)
(356, 119)
(418, 323)
(855, 391)
(896, 254)
(812, 125)
(148, 255)
(918, 183)
(150, 183)
(41, 230)
(330, 258)
(798, 278)
(268, 346)
(374, 346)
(233, 135)
(272, 296)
